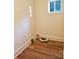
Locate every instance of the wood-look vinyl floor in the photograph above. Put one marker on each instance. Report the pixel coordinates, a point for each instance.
(39, 50)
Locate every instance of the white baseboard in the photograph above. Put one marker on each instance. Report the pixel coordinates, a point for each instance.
(25, 45)
(57, 38)
(21, 48)
(53, 37)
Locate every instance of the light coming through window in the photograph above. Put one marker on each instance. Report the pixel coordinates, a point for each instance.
(54, 6)
(30, 10)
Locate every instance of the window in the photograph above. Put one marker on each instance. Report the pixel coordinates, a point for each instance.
(54, 6)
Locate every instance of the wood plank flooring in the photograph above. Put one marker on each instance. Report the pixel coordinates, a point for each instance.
(39, 50)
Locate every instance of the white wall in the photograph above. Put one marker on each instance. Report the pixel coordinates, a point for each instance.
(23, 25)
(48, 25)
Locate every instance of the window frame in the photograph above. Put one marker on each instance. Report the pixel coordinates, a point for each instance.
(55, 11)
